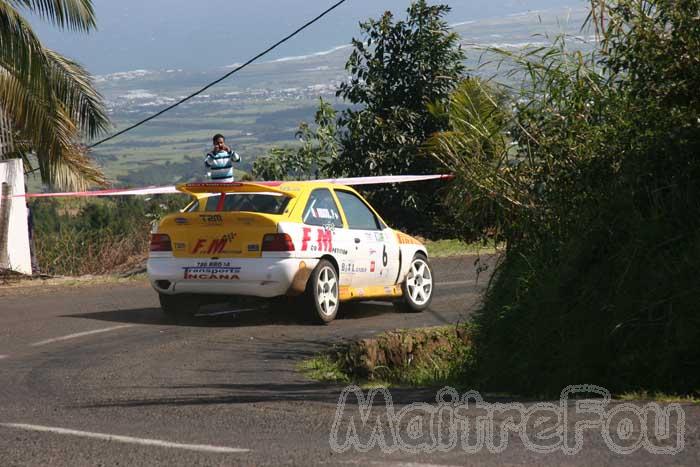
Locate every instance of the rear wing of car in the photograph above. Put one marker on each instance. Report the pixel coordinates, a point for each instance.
(196, 189)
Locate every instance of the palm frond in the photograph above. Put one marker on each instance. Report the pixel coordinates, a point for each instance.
(20, 49)
(47, 127)
(75, 170)
(476, 148)
(49, 100)
(72, 85)
(76, 15)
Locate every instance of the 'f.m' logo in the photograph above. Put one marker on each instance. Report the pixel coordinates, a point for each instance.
(217, 245)
(325, 240)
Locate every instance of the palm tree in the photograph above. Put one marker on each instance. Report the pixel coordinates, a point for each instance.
(47, 102)
(476, 148)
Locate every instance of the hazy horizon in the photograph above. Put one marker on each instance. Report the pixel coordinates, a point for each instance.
(171, 34)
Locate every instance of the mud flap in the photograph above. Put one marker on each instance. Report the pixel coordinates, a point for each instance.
(301, 277)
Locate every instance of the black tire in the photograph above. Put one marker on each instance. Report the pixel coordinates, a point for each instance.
(178, 306)
(417, 296)
(322, 296)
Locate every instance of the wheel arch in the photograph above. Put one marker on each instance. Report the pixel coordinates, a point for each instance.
(407, 252)
(333, 261)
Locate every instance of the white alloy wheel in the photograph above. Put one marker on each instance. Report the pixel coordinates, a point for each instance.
(419, 282)
(417, 287)
(327, 292)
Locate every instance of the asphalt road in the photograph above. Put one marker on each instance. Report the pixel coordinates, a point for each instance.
(93, 375)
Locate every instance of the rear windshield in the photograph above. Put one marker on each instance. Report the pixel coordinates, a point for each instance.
(264, 203)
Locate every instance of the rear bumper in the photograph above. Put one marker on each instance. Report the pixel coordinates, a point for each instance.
(257, 277)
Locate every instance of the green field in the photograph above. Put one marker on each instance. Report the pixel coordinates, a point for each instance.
(262, 106)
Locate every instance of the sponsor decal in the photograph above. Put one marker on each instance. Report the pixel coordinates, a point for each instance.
(229, 236)
(211, 273)
(181, 220)
(253, 247)
(372, 266)
(378, 236)
(214, 264)
(372, 252)
(351, 268)
(305, 238)
(406, 239)
(213, 185)
(211, 219)
(213, 246)
(322, 213)
(180, 245)
(324, 240)
(339, 251)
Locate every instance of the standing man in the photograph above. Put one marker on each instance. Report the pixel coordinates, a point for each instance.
(219, 161)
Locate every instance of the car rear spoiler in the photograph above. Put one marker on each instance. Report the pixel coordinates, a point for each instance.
(233, 187)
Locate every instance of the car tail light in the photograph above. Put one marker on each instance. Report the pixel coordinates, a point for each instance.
(277, 242)
(160, 242)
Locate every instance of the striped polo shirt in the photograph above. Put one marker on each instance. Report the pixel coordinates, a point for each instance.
(220, 165)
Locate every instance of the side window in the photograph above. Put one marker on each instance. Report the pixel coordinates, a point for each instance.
(321, 209)
(212, 203)
(357, 213)
(192, 207)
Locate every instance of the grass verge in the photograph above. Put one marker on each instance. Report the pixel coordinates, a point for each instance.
(32, 285)
(434, 356)
(453, 247)
(427, 357)
(324, 367)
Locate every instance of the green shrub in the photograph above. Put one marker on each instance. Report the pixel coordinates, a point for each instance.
(599, 204)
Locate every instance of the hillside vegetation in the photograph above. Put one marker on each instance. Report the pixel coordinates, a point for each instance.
(591, 179)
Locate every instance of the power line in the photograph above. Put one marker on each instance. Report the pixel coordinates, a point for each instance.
(172, 106)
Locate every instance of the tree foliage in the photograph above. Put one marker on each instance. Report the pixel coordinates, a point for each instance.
(477, 151)
(397, 69)
(47, 100)
(599, 205)
(309, 160)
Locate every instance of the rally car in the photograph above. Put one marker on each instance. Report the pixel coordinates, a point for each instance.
(317, 240)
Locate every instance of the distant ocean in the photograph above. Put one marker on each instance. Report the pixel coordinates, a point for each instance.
(180, 34)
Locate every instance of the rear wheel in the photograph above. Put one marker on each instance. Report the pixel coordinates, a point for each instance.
(417, 287)
(322, 292)
(182, 305)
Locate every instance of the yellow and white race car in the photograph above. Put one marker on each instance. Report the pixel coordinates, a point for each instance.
(314, 239)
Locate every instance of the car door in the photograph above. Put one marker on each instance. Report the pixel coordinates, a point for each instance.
(391, 260)
(323, 231)
(371, 253)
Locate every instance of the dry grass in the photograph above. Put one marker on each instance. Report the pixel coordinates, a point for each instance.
(76, 253)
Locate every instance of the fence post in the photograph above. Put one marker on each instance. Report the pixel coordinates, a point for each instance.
(14, 229)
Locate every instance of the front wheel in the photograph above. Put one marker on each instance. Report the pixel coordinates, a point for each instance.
(417, 287)
(322, 292)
